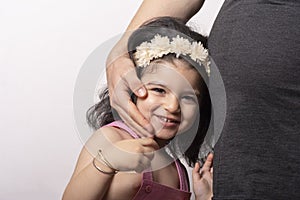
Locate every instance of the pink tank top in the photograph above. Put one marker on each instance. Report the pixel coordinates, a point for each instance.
(151, 190)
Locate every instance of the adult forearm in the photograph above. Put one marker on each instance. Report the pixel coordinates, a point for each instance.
(183, 9)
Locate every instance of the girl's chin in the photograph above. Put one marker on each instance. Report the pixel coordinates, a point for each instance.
(162, 141)
(165, 134)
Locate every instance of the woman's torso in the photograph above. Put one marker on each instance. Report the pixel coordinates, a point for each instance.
(256, 46)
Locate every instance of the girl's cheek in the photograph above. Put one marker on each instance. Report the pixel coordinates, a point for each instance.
(153, 101)
(190, 113)
(188, 116)
(148, 104)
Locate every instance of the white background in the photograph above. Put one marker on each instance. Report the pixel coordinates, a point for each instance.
(43, 44)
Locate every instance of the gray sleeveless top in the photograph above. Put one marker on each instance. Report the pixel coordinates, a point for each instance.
(256, 46)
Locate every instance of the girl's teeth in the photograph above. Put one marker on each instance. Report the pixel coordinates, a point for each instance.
(165, 119)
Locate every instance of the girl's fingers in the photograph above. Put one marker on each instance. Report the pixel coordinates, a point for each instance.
(206, 169)
(208, 163)
(149, 142)
(196, 172)
(196, 168)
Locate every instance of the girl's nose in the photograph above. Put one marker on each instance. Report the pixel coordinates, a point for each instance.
(172, 104)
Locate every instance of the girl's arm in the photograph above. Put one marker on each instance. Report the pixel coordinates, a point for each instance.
(119, 64)
(87, 182)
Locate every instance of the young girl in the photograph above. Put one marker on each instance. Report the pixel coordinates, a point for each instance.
(168, 57)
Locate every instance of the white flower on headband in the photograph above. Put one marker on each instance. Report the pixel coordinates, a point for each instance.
(198, 52)
(160, 46)
(144, 54)
(180, 46)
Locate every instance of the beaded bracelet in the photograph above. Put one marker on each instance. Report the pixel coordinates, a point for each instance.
(104, 172)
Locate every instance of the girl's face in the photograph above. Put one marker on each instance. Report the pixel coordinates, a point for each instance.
(172, 101)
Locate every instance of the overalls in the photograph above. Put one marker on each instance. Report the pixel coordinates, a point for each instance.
(151, 190)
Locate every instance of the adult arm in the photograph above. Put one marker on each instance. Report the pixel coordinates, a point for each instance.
(120, 69)
(183, 9)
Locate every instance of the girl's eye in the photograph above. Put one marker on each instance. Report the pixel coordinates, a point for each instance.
(159, 90)
(189, 98)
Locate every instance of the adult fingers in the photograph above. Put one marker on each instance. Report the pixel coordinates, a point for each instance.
(135, 85)
(122, 80)
(142, 131)
(116, 68)
(123, 67)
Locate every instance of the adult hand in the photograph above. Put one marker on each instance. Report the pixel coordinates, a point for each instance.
(122, 80)
(131, 154)
(203, 178)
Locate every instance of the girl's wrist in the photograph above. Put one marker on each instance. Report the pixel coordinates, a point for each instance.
(103, 168)
(103, 165)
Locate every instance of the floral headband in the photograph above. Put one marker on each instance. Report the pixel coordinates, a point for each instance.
(160, 46)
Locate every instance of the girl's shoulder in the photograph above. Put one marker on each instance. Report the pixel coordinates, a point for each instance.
(113, 133)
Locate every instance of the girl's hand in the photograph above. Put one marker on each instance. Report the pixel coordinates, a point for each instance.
(202, 179)
(122, 81)
(131, 154)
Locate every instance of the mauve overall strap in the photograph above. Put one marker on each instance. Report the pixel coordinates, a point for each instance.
(184, 185)
(122, 125)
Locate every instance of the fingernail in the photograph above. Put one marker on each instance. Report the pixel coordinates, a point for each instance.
(141, 91)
